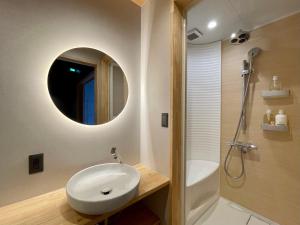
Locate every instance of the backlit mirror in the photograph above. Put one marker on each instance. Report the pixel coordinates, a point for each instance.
(87, 86)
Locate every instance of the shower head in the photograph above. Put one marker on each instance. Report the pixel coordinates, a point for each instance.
(240, 37)
(253, 53)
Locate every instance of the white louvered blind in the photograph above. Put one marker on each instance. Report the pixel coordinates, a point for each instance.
(203, 101)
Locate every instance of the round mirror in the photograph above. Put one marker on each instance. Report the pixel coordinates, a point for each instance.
(87, 86)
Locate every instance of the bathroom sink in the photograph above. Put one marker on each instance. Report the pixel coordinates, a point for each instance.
(102, 188)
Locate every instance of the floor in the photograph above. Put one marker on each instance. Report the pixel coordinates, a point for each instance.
(225, 212)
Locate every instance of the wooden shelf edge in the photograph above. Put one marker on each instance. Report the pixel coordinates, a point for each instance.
(52, 208)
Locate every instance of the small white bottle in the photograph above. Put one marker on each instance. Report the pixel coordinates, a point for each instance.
(281, 118)
(275, 84)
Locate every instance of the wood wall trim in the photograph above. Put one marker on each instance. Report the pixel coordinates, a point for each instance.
(104, 89)
(185, 4)
(176, 115)
(139, 2)
(78, 61)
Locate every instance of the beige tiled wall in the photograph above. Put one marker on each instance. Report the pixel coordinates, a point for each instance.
(272, 183)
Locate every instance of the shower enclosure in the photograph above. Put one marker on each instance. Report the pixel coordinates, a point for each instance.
(203, 109)
(235, 51)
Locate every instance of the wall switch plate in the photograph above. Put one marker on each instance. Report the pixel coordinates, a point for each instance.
(165, 120)
(36, 163)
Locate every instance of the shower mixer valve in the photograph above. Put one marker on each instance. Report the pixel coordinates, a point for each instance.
(244, 147)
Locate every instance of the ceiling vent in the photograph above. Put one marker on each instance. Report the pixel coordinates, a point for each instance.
(194, 34)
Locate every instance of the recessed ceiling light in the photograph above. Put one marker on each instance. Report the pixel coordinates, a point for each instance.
(233, 35)
(212, 24)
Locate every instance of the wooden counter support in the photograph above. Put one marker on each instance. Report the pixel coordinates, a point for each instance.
(52, 208)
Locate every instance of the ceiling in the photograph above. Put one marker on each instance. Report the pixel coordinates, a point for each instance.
(232, 15)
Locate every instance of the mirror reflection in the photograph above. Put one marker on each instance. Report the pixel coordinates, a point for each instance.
(87, 86)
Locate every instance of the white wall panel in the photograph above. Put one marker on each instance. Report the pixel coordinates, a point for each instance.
(203, 101)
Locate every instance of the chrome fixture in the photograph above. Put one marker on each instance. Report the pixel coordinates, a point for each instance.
(246, 75)
(251, 55)
(115, 155)
(240, 37)
(235, 144)
(244, 147)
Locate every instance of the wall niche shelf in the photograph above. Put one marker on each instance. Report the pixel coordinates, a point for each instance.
(275, 128)
(275, 94)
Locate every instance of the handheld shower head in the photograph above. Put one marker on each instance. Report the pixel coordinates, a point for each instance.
(253, 53)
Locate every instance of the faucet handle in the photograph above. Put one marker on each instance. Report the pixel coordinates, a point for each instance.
(251, 146)
(245, 147)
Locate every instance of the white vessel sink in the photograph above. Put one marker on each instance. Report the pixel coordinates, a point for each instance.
(102, 188)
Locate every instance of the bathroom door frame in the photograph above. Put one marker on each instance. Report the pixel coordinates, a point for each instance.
(176, 116)
(177, 108)
(177, 111)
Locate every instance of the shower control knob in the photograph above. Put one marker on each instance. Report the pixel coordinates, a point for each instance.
(244, 147)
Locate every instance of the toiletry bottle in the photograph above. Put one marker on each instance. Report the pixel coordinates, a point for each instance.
(275, 84)
(281, 118)
(269, 117)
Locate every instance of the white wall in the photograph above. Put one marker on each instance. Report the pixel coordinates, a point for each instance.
(155, 84)
(155, 95)
(33, 33)
(203, 106)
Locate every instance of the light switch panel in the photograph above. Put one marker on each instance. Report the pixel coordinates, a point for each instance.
(165, 120)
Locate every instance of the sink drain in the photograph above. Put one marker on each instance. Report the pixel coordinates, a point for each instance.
(106, 191)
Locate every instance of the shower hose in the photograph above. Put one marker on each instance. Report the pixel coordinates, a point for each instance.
(235, 139)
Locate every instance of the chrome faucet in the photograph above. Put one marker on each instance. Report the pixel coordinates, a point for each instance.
(115, 155)
(244, 147)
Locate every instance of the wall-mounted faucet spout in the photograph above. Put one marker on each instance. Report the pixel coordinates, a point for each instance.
(115, 155)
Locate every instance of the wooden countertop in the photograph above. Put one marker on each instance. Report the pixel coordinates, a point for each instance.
(52, 208)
